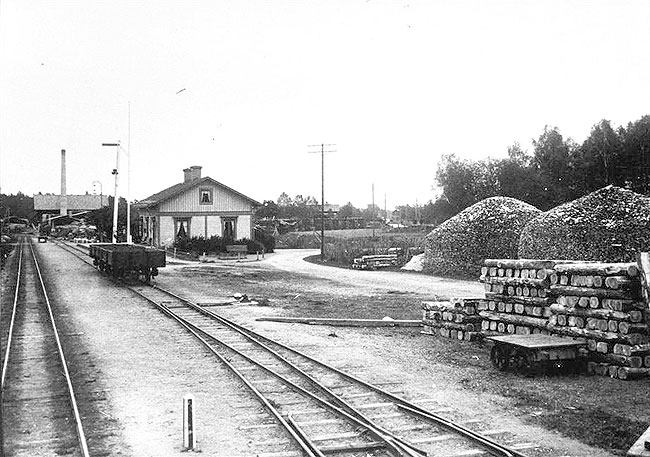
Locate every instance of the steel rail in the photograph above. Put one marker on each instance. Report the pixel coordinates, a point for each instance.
(490, 445)
(378, 434)
(385, 436)
(73, 400)
(292, 422)
(485, 442)
(272, 409)
(13, 318)
(350, 409)
(9, 341)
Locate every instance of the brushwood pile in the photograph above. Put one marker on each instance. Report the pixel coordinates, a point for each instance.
(490, 228)
(608, 225)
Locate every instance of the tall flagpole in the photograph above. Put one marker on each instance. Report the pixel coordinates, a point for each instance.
(128, 184)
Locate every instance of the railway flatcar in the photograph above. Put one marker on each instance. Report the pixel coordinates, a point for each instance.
(121, 260)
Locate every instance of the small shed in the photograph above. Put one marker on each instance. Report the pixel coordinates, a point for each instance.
(195, 207)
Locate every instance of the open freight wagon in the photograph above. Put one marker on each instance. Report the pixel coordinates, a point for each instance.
(121, 260)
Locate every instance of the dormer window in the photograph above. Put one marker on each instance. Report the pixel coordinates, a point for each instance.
(205, 196)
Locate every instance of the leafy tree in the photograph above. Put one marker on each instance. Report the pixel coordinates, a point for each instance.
(634, 167)
(466, 182)
(103, 219)
(552, 157)
(19, 205)
(302, 209)
(268, 210)
(284, 200)
(348, 211)
(371, 213)
(517, 176)
(597, 158)
(434, 213)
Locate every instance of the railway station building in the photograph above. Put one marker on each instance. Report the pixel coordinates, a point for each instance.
(198, 206)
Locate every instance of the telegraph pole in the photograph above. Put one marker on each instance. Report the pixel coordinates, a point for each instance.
(373, 210)
(322, 196)
(385, 210)
(128, 184)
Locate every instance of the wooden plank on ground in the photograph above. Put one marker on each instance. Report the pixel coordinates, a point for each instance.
(345, 322)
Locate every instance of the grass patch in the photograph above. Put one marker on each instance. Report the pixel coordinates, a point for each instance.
(590, 425)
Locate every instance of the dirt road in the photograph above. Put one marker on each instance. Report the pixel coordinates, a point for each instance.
(366, 282)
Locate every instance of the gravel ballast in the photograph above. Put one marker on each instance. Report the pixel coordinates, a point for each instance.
(145, 363)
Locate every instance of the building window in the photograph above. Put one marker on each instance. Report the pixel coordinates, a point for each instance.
(229, 228)
(205, 196)
(181, 227)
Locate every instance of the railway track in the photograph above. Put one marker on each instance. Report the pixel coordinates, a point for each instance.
(40, 415)
(320, 409)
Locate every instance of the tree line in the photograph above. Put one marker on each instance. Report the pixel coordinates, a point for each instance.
(556, 171)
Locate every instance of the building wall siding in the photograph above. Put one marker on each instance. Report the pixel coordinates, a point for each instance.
(205, 220)
(214, 225)
(166, 230)
(197, 226)
(222, 200)
(243, 227)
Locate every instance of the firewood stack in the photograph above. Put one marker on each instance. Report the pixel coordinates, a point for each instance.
(371, 262)
(456, 319)
(602, 303)
(517, 296)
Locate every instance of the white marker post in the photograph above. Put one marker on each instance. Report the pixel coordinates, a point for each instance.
(189, 432)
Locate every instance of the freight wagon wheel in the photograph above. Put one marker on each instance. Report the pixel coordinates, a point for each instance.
(500, 357)
(147, 274)
(525, 361)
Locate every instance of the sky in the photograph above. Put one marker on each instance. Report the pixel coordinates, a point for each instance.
(246, 88)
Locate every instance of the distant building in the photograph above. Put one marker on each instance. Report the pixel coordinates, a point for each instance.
(64, 204)
(73, 203)
(195, 207)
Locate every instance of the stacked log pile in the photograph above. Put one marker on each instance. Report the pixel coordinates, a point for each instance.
(456, 319)
(517, 295)
(371, 262)
(602, 303)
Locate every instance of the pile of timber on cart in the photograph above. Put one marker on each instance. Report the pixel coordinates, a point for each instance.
(605, 304)
(371, 262)
(455, 319)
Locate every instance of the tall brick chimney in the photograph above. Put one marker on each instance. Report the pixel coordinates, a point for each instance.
(63, 207)
(192, 174)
